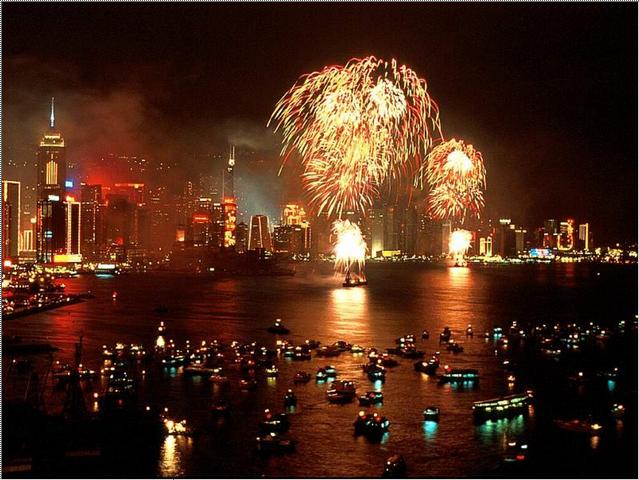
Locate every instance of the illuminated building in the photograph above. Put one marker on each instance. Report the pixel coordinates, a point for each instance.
(506, 238)
(161, 213)
(292, 239)
(229, 209)
(227, 185)
(565, 238)
(446, 231)
(202, 223)
(11, 208)
(584, 237)
(259, 235)
(241, 237)
(51, 161)
(486, 246)
(293, 214)
(550, 233)
(375, 231)
(91, 199)
(58, 230)
(27, 245)
(520, 240)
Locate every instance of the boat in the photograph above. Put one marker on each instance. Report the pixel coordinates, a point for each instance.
(469, 330)
(357, 349)
(425, 334)
(341, 391)
(274, 422)
(272, 371)
(431, 414)
(394, 467)
(274, 443)
(376, 373)
(454, 347)
(277, 327)
(199, 369)
(371, 424)
(219, 379)
(302, 353)
(618, 410)
(459, 375)
(386, 361)
(429, 367)
(515, 452)
(342, 346)
(220, 409)
(328, 352)
(503, 406)
(247, 384)
(371, 398)
(312, 344)
(302, 377)
(579, 426)
(290, 400)
(444, 337)
(352, 280)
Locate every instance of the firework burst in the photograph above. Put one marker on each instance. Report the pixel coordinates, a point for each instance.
(350, 246)
(356, 129)
(456, 176)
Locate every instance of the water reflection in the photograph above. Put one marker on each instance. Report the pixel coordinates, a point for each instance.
(171, 463)
(493, 430)
(430, 429)
(350, 312)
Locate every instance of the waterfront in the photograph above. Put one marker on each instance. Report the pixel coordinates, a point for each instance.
(400, 299)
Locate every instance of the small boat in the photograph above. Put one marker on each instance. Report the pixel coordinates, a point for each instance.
(272, 371)
(395, 467)
(302, 377)
(357, 349)
(341, 391)
(618, 410)
(274, 443)
(387, 361)
(431, 414)
(312, 344)
(429, 367)
(444, 337)
(459, 375)
(219, 379)
(290, 400)
(247, 384)
(371, 398)
(376, 373)
(302, 353)
(220, 409)
(580, 426)
(515, 452)
(274, 422)
(371, 424)
(277, 327)
(342, 345)
(454, 347)
(328, 352)
(425, 334)
(469, 330)
(199, 369)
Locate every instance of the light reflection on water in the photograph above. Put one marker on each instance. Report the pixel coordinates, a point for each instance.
(171, 453)
(350, 313)
(430, 429)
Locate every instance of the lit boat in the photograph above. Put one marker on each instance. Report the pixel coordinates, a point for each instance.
(274, 422)
(469, 330)
(515, 452)
(290, 400)
(503, 406)
(272, 371)
(376, 373)
(431, 414)
(247, 384)
(618, 410)
(328, 352)
(394, 467)
(341, 391)
(371, 398)
(302, 377)
(277, 327)
(176, 428)
(220, 409)
(219, 378)
(312, 344)
(425, 335)
(387, 361)
(198, 369)
(459, 375)
(357, 349)
(580, 426)
(342, 345)
(444, 337)
(302, 353)
(454, 347)
(429, 367)
(274, 443)
(371, 424)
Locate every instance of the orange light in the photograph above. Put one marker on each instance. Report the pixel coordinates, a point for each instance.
(7, 263)
(69, 198)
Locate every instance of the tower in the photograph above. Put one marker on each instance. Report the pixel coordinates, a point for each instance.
(52, 165)
(227, 186)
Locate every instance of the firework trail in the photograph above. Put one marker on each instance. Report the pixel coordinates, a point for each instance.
(458, 245)
(356, 129)
(456, 176)
(350, 247)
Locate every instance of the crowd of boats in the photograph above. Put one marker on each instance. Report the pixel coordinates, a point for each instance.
(125, 366)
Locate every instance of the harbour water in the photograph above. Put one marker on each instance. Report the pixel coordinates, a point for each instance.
(400, 298)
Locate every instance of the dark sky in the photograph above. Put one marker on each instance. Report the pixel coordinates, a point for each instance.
(547, 92)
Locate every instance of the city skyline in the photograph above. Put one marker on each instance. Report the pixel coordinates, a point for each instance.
(550, 188)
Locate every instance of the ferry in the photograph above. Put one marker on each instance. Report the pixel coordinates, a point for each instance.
(459, 375)
(503, 406)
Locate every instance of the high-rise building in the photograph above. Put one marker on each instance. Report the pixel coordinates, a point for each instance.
(229, 209)
(241, 237)
(52, 164)
(259, 235)
(293, 214)
(520, 240)
(375, 231)
(58, 231)
(321, 237)
(228, 190)
(447, 228)
(91, 200)
(584, 237)
(550, 233)
(11, 211)
(565, 238)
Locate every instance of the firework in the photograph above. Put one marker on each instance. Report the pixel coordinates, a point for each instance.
(456, 176)
(459, 242)
(356, 129)
(350, 247)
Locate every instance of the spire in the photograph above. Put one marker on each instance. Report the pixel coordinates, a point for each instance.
(52, 118)
(232, 156)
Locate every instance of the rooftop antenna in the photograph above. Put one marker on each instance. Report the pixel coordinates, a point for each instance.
(52, 117)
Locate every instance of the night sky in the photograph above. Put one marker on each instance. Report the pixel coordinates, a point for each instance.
(547, 92)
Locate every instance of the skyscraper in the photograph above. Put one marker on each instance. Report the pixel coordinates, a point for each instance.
(52, 164)
(91, 199)
(229, 209)
(11, 196)
(584, 237)
(227, 187)
(259, 235)
(565, 238)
